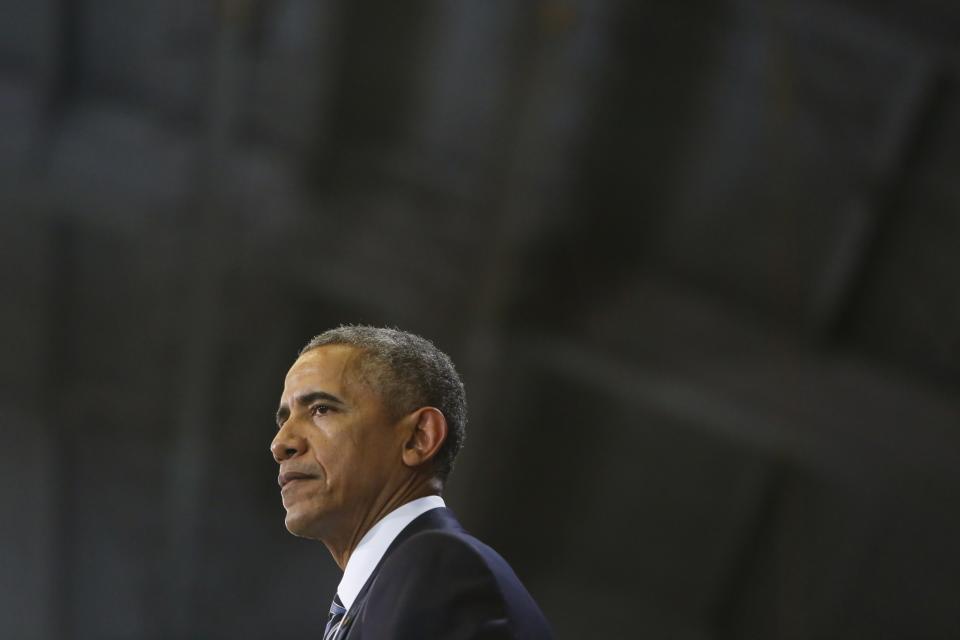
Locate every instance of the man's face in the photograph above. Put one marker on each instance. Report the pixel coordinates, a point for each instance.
(337, 446)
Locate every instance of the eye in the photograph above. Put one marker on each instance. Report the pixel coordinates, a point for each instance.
(320, 409)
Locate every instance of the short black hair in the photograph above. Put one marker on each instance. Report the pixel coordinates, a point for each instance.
(409, 372)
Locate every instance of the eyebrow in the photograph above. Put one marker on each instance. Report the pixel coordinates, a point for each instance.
(305, 400)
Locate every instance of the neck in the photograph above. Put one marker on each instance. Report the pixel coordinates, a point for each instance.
(342, 543)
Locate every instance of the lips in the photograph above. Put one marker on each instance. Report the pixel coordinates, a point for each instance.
(286, 478)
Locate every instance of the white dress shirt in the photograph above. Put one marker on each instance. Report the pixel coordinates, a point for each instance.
(374, 544)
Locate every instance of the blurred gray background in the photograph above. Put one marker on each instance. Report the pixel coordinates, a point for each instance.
(698, 263)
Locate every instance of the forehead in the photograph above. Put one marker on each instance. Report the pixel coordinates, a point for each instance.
(330, 368)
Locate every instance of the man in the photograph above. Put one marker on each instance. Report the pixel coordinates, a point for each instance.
(369, 424)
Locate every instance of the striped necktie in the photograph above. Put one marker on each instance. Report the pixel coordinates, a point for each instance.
(334, 622)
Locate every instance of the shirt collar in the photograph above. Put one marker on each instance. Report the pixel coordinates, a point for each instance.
(374, 543)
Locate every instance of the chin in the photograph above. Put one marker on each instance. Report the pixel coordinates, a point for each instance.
(303, 525)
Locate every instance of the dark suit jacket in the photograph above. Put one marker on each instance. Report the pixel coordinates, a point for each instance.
(436, 581)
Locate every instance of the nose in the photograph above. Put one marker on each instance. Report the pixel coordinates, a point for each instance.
(286, 445)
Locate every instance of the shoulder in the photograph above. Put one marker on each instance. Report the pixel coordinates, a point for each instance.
(452, 572)
(438, 555)
(447, 552)
(438, 546)
(433, 585)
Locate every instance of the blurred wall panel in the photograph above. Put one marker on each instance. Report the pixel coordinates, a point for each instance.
(27, 33)
(810, 111)
(292, 52)
(154, 56)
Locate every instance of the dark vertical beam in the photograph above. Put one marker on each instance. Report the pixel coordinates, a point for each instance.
(372, 85)
(61, 83)
(206, 257)
(61, 377)
(752, 565)
(854, 249)
(521, 169)
(57, 78)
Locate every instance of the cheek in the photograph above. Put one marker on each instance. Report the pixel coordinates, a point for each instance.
(322, 450)
(333, 453)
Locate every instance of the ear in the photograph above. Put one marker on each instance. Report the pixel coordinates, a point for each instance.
(428, 434)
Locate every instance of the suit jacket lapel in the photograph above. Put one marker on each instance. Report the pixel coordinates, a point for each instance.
(441, 518)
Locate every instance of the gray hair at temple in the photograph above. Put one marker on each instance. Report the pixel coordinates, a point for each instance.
(408, 372)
